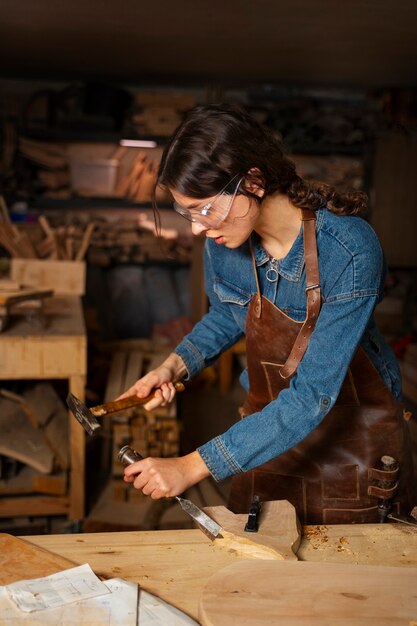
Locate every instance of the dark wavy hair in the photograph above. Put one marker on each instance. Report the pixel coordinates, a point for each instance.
(214, 143)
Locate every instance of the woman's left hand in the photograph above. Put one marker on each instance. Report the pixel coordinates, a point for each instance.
(166, 478)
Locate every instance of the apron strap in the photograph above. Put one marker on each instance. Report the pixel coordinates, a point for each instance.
(313, 294)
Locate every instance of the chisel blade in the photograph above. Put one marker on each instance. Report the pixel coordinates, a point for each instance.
(203, 521)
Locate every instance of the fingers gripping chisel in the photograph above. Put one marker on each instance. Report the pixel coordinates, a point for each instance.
(212, 529)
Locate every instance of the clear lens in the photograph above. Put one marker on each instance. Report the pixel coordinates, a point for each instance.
(213, 213)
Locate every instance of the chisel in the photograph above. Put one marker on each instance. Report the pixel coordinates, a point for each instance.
(127, 456)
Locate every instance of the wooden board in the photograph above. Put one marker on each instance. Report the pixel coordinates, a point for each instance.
(20, 560)
(27, 481)
(20, 440)
(176, 564)
(14, 296)
(278, 537)
(364, 544)
(57, 351)
(52, 416)
(283, 593)
(64, 277)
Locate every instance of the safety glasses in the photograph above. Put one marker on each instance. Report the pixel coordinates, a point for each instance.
(213, 213)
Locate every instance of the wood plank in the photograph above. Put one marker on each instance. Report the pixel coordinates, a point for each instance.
(115, 384)
(20, 560)
(20, 440)
(64, 277)
(33, 506)
(258, 593)
(20, 484)
(134, 368)
(278, 537)
(29, 357)
(53, 417)
(77, 454)
(52, 484)
(15, 296)
(176, 564)
(365, 544)
(56, 351)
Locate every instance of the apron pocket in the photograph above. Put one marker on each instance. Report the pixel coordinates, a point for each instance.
(340, 482)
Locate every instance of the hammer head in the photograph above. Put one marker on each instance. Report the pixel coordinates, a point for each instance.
(82, 414)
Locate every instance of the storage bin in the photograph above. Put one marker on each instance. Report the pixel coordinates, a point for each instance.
(94, 177)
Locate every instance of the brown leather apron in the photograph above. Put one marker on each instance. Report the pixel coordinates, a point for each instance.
(335, 475)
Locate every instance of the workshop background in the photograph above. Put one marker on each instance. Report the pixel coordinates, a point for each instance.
(90, 297)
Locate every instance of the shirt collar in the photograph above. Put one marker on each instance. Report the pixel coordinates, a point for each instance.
(291, 266)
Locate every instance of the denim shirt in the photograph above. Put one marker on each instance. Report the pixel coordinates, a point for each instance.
(352, 272)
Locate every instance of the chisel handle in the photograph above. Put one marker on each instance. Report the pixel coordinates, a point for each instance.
(127, 403)
(128, 455)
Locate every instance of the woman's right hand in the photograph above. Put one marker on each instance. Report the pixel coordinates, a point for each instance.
(159, 382)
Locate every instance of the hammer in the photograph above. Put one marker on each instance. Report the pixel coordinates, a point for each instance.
(87, 416)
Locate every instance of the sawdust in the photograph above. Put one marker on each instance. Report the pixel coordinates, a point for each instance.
(343, 541)
(316, 535)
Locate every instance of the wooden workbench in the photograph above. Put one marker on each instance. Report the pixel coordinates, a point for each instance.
(57, 351)
(176, 564)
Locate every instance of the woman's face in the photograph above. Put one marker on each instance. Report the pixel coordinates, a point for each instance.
(233, 230)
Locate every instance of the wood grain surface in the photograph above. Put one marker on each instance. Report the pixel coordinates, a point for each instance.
(278, 536)
(20, 560)
(20, 440)
(176, 564)
(284, 593)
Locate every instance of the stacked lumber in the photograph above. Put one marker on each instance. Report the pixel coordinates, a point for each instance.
(53, 166)
(135, 241)
(18, 299)
(159, 113)
(62, 243)
(65, 242)
(152, 433)
(339, 171)
(104, 242)
(156, 120)
(139, 183)
(49, 156)
(16, 242)
(34, 455)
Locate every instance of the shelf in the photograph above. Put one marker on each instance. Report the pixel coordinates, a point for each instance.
(78, 202)
(325, 150)
(60, 135)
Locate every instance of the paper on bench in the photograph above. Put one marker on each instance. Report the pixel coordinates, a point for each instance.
(71, 585)
(118, 607)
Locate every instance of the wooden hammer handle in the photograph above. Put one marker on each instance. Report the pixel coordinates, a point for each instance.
(127, 403)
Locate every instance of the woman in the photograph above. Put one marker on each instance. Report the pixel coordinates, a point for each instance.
(292, 266)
